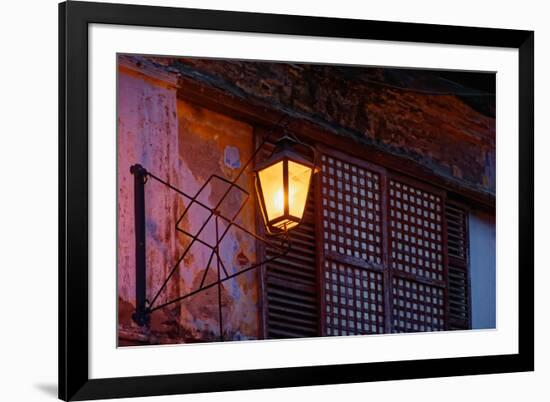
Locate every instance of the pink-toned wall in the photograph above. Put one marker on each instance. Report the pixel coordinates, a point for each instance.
(182, 144)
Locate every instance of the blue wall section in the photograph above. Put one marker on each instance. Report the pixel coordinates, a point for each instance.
(483, 270)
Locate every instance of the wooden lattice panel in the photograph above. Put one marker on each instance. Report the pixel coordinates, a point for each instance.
(416, 231)
(417, 307)
(354, 300)
(352, 210)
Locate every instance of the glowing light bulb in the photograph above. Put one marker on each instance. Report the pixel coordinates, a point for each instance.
(279, 200)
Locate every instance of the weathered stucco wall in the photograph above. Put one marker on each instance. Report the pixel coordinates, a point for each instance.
(415, 115)
(183, 145)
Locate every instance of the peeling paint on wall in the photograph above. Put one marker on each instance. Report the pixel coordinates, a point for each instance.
(184, 145)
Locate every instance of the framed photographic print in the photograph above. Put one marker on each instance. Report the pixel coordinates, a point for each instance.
(257, 200)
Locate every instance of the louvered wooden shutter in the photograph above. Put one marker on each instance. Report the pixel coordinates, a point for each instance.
(459, 290)
(291, 284)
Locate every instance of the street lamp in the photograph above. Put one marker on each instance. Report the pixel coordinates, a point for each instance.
(282, 186)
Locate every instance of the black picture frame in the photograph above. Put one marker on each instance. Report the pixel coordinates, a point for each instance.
(74, 381)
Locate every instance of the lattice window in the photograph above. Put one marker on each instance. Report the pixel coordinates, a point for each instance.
(417, 258)
(354, 300)
(416, 224)
(352, 210)
(417, 306)
(353, 242)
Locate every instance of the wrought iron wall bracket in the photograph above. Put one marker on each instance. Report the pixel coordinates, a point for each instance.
(144, 308)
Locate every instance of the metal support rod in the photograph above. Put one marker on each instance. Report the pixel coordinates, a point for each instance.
(219, 280)
(203, 288)
(141, 315)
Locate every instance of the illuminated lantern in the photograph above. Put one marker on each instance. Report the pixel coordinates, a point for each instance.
(282, 187)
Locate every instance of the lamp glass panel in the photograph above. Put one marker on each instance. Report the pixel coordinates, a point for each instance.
(272, 188)
(299, 177)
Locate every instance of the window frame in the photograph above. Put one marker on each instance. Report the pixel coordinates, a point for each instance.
(387, 271)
